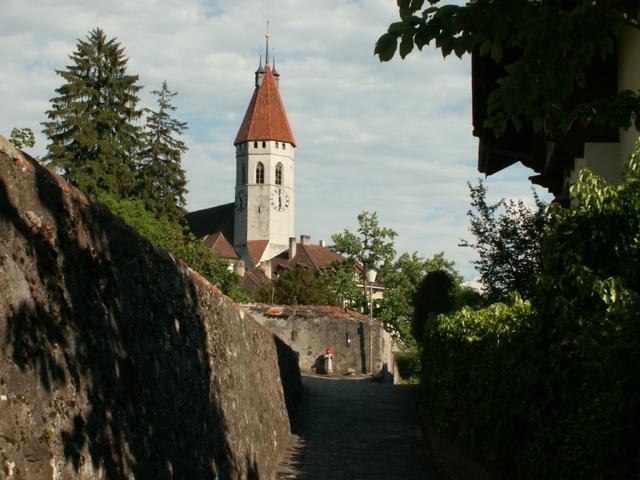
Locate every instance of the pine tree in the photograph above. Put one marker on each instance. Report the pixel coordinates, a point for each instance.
(94, 141)
(163, 179)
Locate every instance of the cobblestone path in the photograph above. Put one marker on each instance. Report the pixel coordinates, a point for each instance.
(355, 430)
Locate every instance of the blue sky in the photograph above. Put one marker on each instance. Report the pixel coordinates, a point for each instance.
(394, 138)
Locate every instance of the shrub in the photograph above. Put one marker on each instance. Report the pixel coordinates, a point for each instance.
(478, 376)
(550, 388)
(409, 367)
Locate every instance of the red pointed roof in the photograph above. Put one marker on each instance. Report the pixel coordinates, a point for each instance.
(266, 118)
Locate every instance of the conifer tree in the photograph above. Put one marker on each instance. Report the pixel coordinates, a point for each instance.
(94, 140)
(163, 179)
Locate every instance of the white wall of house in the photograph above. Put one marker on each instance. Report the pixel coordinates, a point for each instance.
(608, 159)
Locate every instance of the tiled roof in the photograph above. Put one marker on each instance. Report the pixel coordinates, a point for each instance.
(256, 248)
(212, 220)
(313, 257)
(255, 280)
(220, 246)
(266, 118)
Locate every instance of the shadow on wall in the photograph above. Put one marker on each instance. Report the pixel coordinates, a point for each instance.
(363, 351)
(289, 375)
(112, 332)
(319, 366)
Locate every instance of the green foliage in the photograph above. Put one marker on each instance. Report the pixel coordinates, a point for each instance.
(22, 138)
(409, 366)
(396, 309)
(163, 181)
(478, 376)
(439, 262)
(507, 240)
(94, 140)
(339, 280)
(371, 247)
(464, 296)
(588, 296)
(545, 48)
(548, 388)
(173, 238)
(299, 286)
(433, 296)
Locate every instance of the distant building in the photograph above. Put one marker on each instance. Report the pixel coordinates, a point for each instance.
(255, 233)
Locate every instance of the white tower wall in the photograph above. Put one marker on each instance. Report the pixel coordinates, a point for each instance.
(264, 211)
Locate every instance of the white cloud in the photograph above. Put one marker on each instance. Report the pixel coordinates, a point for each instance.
(393, 138)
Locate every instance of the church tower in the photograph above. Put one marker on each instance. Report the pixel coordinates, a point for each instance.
(265, 201)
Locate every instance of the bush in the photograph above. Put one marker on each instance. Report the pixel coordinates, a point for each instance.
(409, 367)
(550, 388)
(478, 377)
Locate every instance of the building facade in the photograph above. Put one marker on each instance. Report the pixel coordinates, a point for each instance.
(264, 193)
(257, 230)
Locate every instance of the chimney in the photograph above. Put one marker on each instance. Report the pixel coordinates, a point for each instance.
(322, 244)
(240, 268)
(292, 247)
(305, 239)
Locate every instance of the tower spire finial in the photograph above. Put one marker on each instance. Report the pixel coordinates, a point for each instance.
(266, 36)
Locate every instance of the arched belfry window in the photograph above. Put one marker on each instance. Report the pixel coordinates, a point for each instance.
(260, 173)
(279, 174)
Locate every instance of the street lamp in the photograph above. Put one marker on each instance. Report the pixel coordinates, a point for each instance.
(371, 277)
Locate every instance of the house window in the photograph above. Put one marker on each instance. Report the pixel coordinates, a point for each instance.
(255, 144)
(260, 173)
(284, 146)
(277, 146)
(264, 144)
(279, 174)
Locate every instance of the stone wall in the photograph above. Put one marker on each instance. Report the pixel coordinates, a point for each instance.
(309, 330)
(116, 360)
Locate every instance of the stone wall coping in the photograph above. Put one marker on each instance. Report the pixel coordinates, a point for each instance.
(309, 311)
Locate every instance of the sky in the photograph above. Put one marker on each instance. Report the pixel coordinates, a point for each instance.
(393, 138)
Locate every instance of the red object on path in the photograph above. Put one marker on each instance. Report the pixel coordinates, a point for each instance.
(329, 350)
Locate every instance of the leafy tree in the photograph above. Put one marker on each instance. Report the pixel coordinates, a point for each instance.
(433, 296)
(545, 48)
(339, 279)
(465, 296)
(371, 247)
(163, 179)
(172, 237)
(439, 262)
(396, 309)
(507, 240)
(94, 140)
(299, 286)
(22, 137)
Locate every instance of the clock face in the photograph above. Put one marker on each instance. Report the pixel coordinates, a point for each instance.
(279, 200)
